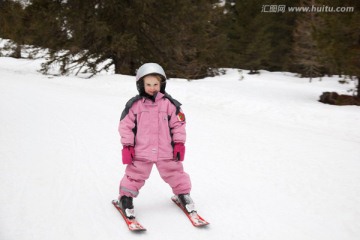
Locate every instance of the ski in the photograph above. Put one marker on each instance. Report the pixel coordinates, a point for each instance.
(194, 217)
(132, 224)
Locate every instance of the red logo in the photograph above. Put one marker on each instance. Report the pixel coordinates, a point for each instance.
(181, 116)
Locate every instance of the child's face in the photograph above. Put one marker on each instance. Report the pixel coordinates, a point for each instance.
(151, 84)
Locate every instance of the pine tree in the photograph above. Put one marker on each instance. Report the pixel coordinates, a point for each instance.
(339, 40)
(239, 18)
(180, 35)
(258, 39)
(307, 56)
(12, 25)
(44, 24)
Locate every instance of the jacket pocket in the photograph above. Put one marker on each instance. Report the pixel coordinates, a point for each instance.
(143, 130)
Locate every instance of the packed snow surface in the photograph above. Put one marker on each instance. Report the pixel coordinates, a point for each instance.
(266, 159)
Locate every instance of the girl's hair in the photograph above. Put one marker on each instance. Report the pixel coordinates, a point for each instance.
(158, 77)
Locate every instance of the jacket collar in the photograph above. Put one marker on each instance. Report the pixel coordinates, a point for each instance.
(154, 98)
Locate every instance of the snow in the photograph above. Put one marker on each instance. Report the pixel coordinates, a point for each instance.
(267, 160)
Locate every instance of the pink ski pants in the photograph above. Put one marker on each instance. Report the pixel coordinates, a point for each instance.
(172, 172)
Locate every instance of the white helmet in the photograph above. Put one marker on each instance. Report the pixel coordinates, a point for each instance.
(147, 69)
(150, 68)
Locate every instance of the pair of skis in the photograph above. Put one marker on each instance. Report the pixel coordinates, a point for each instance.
(134, 225)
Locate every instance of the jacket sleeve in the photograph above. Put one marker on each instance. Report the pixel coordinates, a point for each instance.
(127, 126)
(177, 125)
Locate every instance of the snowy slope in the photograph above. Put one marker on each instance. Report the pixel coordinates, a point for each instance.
(267, 160)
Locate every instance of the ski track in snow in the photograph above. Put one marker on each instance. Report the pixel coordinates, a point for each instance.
(267, 161)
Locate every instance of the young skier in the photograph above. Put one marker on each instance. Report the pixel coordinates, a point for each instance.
(152, 131)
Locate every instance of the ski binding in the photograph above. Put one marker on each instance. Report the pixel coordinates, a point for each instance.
(132, 224)
(193, 216)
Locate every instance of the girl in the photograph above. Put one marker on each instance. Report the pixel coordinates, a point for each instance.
(152, 130)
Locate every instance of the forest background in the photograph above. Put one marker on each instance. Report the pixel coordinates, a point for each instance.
(190, 39)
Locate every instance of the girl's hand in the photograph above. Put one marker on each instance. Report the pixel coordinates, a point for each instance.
(179, 151)
(128, 154)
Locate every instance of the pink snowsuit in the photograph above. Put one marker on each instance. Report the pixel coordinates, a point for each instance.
(152, 127)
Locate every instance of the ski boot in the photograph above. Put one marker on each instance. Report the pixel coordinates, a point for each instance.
(187, 202)
(126, 205)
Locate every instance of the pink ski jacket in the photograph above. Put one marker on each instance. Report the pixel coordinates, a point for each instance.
(152, 126)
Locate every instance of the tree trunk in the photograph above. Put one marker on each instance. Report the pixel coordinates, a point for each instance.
(358, 87)
(124, 66)
(17, 52)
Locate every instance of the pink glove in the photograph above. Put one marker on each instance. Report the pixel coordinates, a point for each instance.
(179, 151)
(128, 154)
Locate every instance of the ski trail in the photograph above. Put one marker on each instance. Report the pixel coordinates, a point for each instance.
(261, 152)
